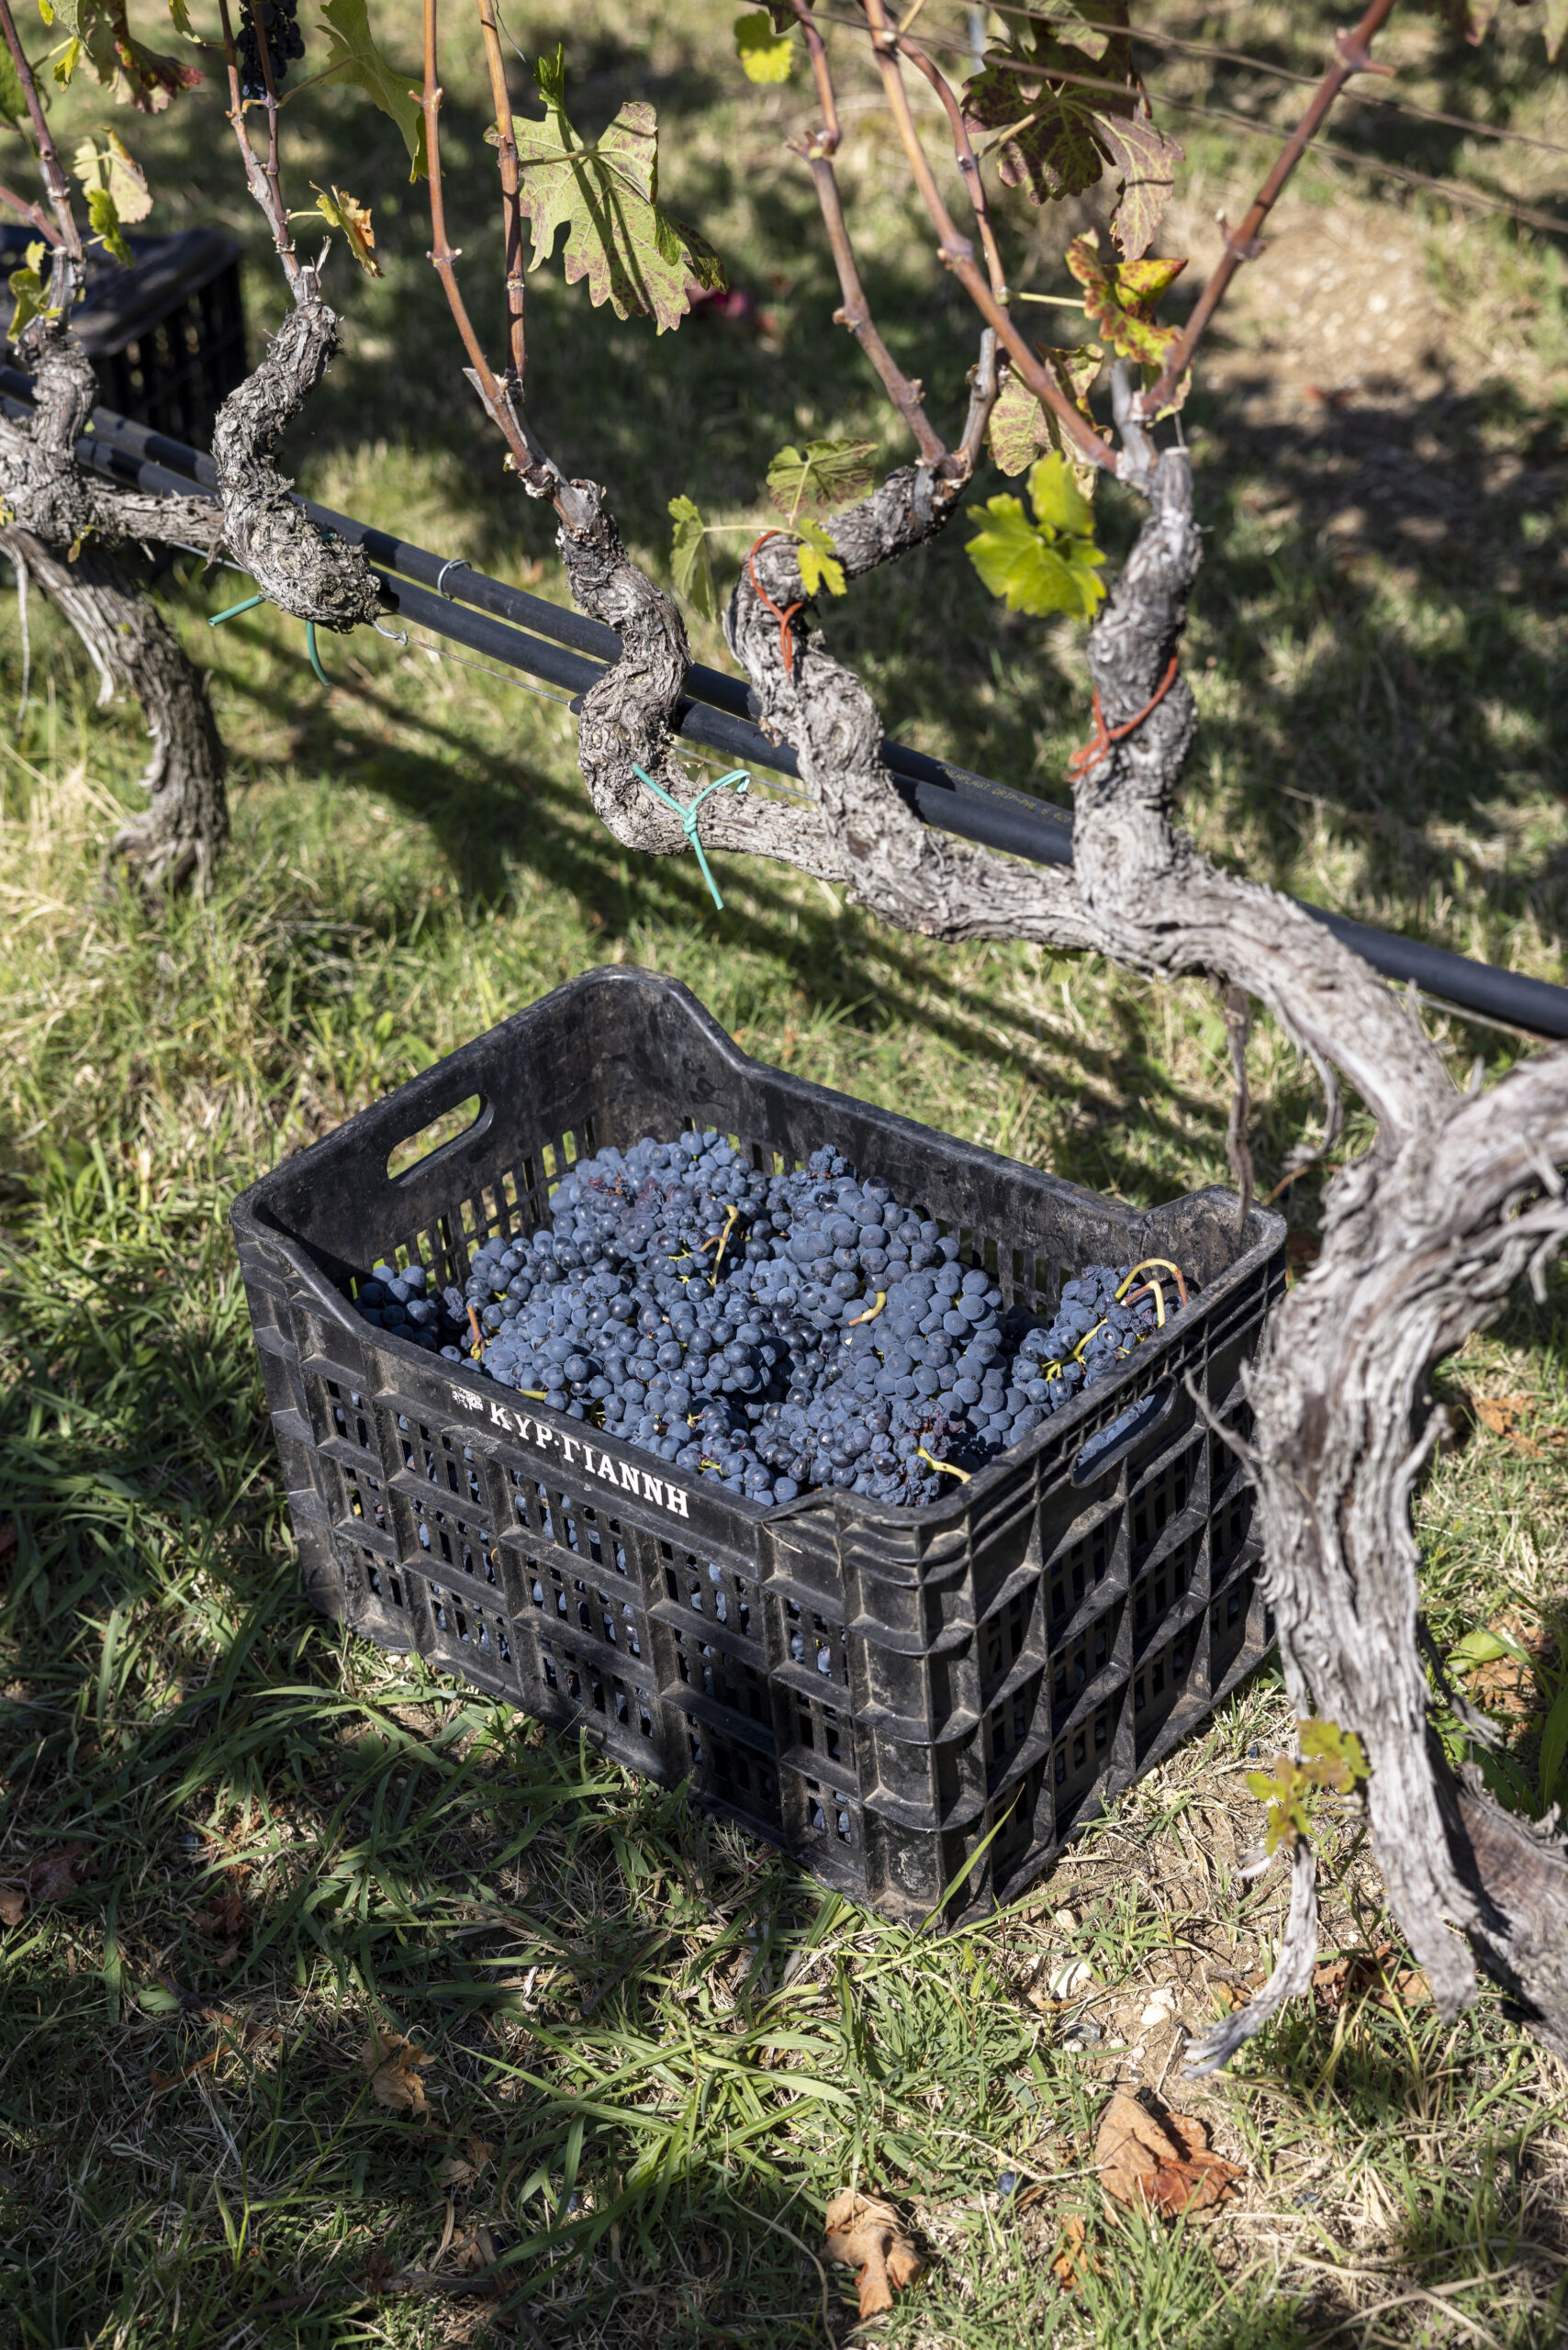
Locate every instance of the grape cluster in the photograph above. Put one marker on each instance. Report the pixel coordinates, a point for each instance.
(778, 1333)
(284, 39)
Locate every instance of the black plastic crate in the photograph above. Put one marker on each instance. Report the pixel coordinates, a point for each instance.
(167, 336)
(878, 1689)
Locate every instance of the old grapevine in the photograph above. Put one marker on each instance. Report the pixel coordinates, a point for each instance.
(1458, 1197)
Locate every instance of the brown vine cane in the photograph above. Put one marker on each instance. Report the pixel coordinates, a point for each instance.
(782, 613)
(1104, 736)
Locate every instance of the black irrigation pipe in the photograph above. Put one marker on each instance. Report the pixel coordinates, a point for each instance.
(570, 652)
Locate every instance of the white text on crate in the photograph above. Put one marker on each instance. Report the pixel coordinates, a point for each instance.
(623, 1475)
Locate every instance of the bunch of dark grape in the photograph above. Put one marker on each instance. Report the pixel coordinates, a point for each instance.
(284, 39)
(779, 1334)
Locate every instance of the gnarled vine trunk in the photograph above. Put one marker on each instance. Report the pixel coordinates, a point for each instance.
(134, 651)
(1424, 1234)
(64, 521)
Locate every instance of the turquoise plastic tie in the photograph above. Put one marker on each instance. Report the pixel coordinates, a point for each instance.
(235, 611)
(249, 605)
(739, 776)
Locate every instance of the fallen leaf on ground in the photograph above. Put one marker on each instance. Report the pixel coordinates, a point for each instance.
(462, 2170)
(1237, 1993)
(1508, 1685)
(225, 1921)
(869, 2235)
(1072, 2262)
(393, 2064)
(12, 1905)
(1165, 2164)
(1502, 1414)
(475, 2248)
(1339, 1979)
(49, 1876)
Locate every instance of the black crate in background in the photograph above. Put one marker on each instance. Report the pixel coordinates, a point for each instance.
(167, 336)
(878, 1689)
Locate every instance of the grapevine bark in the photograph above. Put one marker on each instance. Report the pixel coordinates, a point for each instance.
(134, 651)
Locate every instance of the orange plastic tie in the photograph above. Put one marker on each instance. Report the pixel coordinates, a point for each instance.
(1094, 750)
(782, 613)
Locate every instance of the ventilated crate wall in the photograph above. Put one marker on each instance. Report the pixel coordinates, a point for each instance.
(885, 1692)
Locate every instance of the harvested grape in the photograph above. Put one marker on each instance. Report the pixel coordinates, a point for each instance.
(778, 1334)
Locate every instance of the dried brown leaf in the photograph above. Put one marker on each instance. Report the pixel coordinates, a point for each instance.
(1337, 1980)
(867, 2234)
(52, 1875)
(393, 2062)
(1072, 2262)
(473, 2250)
(226, 1921)
(462, 2170)
(12, 1904)
(1509, 1685)
(1502, 1414)
(1165, 2164)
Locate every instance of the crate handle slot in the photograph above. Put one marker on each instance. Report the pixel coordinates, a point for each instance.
(1096, 1457)
(475, 1112)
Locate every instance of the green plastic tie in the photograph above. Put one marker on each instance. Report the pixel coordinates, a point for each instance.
(249, 605)
(235, 610)
(739, 776)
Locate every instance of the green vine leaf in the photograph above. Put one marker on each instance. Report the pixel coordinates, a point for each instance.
(1022, 426)
(113, 170)
(765, 54)
(689, 559)
(1059, 504)
(828, 474)
(818, 559)
(100, 31)
(29, 291)
(1050, 565)
(1330, 1758)
(13, 100)
(103, 214)
(1064, 104)
(356, 59)
(632, 254)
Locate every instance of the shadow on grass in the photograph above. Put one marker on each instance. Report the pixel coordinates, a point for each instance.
(493, 814)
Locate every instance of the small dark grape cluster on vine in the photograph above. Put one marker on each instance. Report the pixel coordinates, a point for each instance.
(284, 39)
(776, 1332)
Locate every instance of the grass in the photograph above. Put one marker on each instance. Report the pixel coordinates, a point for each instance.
(281, 1842)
